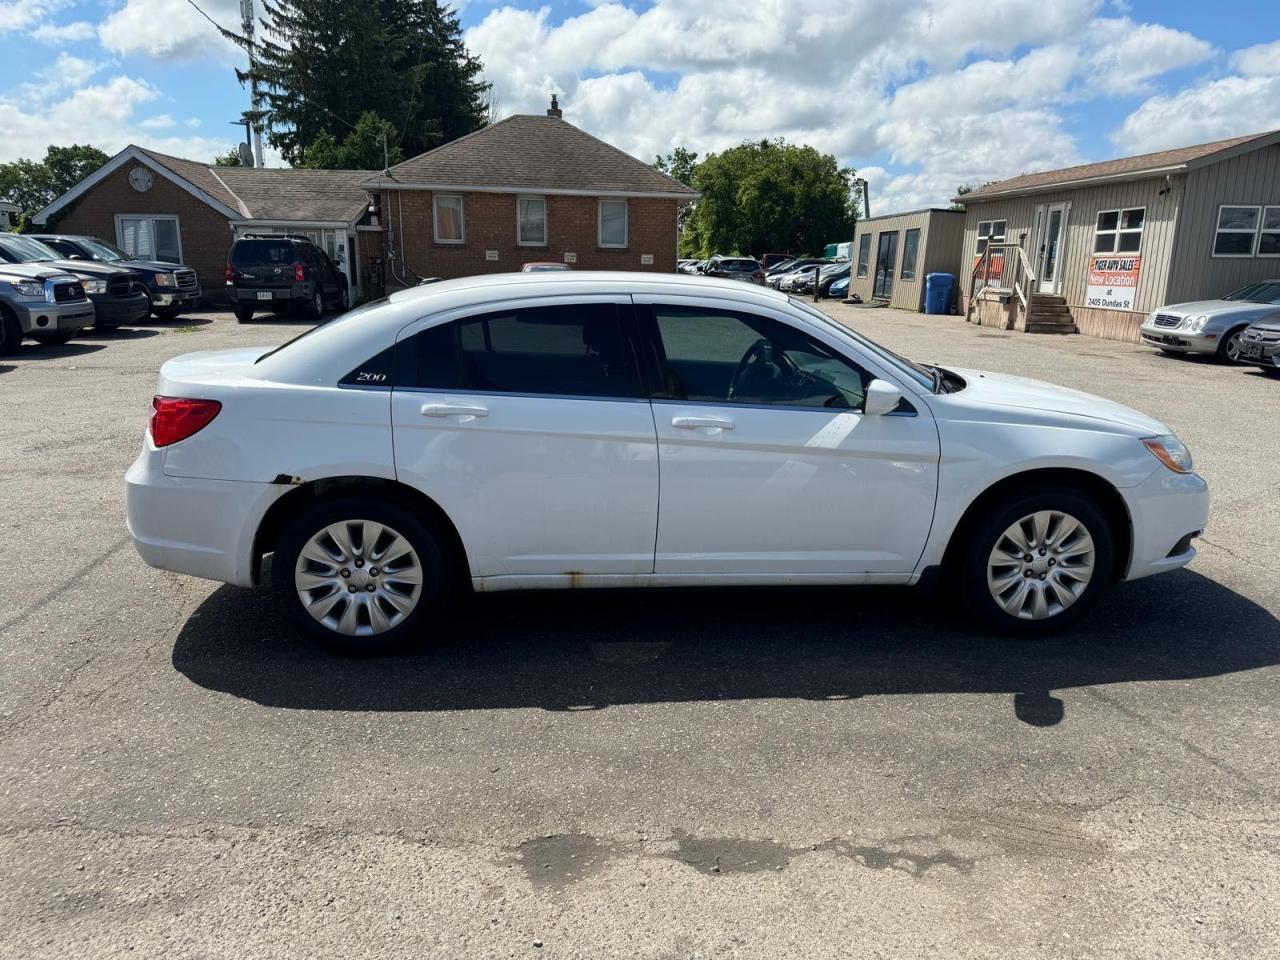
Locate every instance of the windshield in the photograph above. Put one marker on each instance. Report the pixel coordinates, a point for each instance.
(101, 250)
(1268, 291)
(18, 249)
(920, 374)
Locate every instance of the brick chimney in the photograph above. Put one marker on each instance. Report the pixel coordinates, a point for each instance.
(555, 108)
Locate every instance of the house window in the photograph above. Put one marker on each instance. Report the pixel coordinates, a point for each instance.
(1237, 231)
(864, 254)
(531, 221)
(910, 245)
(613, 223)
(150, 237)
(1119, 231)
(990, 231)
(447, 210)
(1269, 239)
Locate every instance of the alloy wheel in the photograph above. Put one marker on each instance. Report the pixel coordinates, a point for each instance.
(1231, 349)
(1041, 565)
(359, 578)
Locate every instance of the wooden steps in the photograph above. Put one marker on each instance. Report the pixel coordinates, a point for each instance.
(1050, 314)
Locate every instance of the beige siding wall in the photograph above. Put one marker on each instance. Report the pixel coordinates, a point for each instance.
(941, 232)
(1252, 179)
(1161, 224)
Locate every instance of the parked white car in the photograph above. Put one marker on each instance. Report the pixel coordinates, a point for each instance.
(596, 429)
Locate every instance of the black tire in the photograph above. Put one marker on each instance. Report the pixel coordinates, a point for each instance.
(344, 299)
(10, 332)
(1223, 353)
(970, 575)
(1273, 371)
(167, 313)
(435, 590)
(55, 339)
(315, 309)
(106, 327)
(243, 314)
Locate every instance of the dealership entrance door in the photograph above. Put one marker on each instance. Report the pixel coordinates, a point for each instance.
(886, 254)
(1049, 249)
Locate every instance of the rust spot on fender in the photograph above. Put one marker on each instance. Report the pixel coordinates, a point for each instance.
(575, 578)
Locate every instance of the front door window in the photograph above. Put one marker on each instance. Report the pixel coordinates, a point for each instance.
(1050, 248)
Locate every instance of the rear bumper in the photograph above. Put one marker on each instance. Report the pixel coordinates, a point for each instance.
(203, 528)
(1167, 510)
(250, 295)
(39, 317)
(118, 310)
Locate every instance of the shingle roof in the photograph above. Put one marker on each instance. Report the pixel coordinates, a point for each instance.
(1134, 166)
(536, 153)
(269, 193)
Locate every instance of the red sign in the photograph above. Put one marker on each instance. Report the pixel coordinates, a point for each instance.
(994, 272)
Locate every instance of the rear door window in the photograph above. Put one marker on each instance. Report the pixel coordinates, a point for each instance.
(248, 253)
(575, 350)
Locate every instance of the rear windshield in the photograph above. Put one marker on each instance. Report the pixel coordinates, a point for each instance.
(247, 253)
(739, 265)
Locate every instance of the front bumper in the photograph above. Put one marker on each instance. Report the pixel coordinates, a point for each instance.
(1265, 353)
(36, 316)
(1165, 508)
(118, 310)
(204, 528)
(169, 297)
(1171, 338)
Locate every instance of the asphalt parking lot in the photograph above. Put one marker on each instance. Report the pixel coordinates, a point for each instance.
(747, 774)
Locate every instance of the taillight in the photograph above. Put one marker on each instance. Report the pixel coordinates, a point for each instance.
(231, 273)
(299, 272)
(176, 418)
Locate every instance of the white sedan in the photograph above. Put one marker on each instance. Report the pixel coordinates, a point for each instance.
(604, 430)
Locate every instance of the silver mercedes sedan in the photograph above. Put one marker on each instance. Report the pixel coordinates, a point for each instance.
(1212, 326)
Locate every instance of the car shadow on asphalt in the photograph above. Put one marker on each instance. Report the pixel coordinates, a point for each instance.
(592, 649)
(119, 334)
(50, 351)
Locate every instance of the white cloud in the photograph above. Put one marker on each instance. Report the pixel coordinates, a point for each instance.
(55, 34)
(934, 86)
(1213, 110)
(26, 14)
(65, 73)
(170, 29)
(1262, 60)
(160, 121)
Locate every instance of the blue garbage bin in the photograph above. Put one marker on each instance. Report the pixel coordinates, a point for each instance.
(937, 292)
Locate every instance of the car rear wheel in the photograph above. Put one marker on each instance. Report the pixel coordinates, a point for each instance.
(243, 314)
(361, 576)
(344, 299)
(1038, 562)
(316, 308)
(54, 339)
(1229, 346)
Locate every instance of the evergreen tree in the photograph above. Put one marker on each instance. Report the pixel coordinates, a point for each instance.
(318, 65)
(361, 149)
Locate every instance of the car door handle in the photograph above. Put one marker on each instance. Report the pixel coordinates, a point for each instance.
(454, 410)
(693, 423)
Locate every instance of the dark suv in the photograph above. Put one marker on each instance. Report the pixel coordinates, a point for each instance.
(735, 268)
(273, 272)
(171, 286)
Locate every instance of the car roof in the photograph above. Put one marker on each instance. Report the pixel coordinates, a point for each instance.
(350, 335)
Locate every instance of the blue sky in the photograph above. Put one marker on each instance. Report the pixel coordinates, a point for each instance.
(919, 97)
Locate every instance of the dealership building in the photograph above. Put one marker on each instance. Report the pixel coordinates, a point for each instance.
(1101, 245)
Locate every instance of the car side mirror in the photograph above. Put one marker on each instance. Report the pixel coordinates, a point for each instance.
(882, 397)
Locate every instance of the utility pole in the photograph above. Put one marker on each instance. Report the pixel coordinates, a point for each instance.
(253, 117)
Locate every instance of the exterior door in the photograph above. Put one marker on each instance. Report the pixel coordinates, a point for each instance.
(1049, 264)
(528, 426)
(769, 468)
(886, 256)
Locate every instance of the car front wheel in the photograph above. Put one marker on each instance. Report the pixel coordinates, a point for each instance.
(361, 576)
(1229, 347)
(1037, 563)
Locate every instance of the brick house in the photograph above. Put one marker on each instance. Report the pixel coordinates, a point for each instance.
(527, 188)
(166, 208)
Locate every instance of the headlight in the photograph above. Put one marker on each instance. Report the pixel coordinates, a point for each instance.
(95, 286)
(29, 288)
(164, 280)
(1170, 451)
(1195, 324)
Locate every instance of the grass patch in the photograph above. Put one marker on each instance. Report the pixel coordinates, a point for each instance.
(189, 328)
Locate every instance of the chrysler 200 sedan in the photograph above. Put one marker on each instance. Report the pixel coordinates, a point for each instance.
(604, 430)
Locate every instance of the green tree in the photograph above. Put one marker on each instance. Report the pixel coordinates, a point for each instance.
(361, 149)
(958, 204)
(679, 164)
(769, 196)
(34, 184)
(229, 159)
(317, 65)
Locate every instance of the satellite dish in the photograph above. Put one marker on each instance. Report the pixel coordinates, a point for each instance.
(246, 155)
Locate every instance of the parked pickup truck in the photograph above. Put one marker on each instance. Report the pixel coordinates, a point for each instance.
(172, 287)
(118, 295)
(43, 303)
